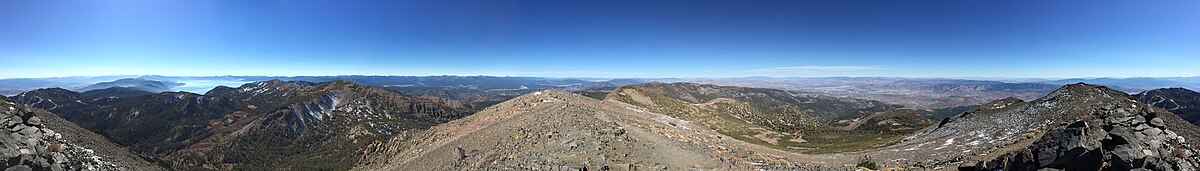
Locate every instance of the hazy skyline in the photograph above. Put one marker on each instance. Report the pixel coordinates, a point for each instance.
(602, 38)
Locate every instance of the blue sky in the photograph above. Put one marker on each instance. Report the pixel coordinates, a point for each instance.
(638, 38)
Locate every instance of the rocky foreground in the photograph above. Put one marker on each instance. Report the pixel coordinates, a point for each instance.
(33, 139)
(1077, 127)
(1098, 128)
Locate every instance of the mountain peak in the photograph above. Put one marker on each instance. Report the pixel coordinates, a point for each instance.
(1085, 90)
(1079, 86)
(1168, 91)
(544, 93)
(339, 84)
(52, 90)
(1002, 103)
(139, 83)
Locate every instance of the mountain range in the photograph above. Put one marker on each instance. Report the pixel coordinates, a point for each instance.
(134, 83)
(486, 124)
(801, 122)
(1077, 126)
(258, 125)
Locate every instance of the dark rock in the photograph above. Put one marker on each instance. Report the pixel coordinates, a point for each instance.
(1075, 148)
(462, 154)
(24, 112)
(33, 121)
(577, 167)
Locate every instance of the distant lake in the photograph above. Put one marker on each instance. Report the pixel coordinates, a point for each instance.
(201, 86)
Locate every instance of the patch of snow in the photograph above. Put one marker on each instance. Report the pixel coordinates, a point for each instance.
(636, 109)
(976, 142)
(1001, 106)
(946, 144)
(911, 148)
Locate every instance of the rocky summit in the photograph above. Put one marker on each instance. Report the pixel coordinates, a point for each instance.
(1097, 128)
(33, 139)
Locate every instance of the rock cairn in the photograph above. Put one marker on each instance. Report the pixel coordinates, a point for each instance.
(27, 144)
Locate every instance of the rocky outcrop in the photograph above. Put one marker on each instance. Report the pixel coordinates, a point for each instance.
(28, 142)
(1118, 135)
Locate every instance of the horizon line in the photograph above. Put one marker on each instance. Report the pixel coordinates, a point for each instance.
(577, 77)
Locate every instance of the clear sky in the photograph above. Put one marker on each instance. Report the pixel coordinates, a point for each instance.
(637, 38)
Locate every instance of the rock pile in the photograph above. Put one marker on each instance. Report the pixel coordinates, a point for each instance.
(27, 144)
(1114, 137)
